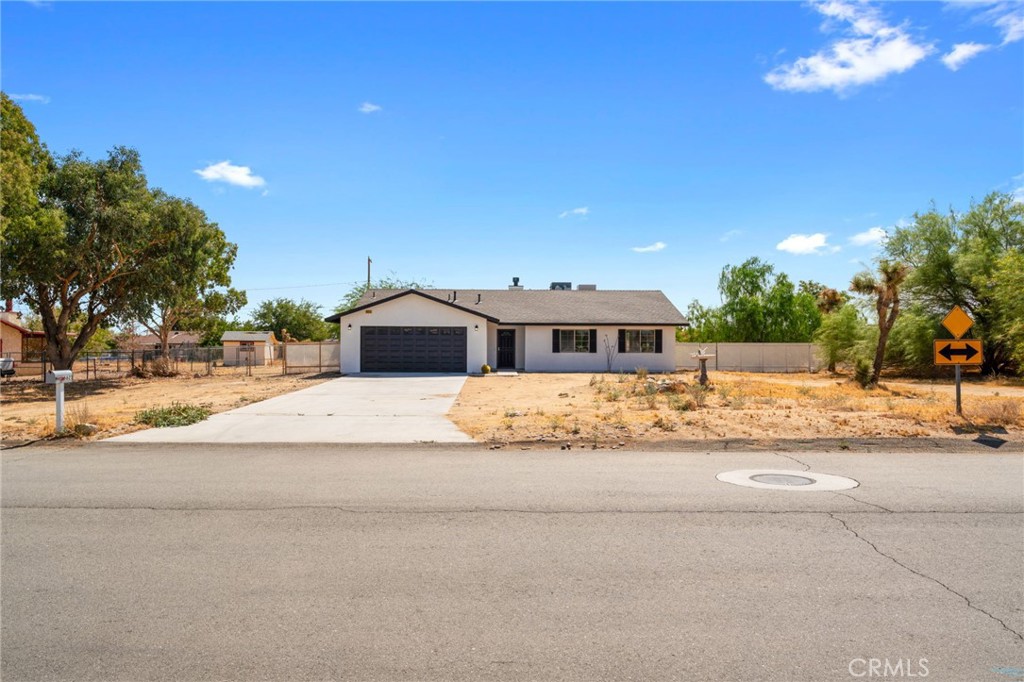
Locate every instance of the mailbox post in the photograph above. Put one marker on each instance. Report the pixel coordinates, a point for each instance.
(59, 377)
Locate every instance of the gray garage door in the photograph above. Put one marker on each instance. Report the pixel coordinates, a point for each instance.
(413, 349)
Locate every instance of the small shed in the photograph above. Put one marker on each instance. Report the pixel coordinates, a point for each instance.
(249, 348)
(17, 341)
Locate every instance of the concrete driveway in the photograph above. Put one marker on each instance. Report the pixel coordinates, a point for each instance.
(356, 409)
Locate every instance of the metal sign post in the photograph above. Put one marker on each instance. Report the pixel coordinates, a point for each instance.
(959, 406)
(960, 351)
(59, 377)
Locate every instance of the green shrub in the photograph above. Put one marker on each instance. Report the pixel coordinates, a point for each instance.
(862, 372)
(178, 414)
(698, 393)
(680, 404)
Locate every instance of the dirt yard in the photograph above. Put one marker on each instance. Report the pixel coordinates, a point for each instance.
(627, 409)
(111, 404)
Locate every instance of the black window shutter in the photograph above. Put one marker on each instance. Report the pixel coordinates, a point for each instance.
(622, 340)
(593, 340)
(554, 341)
(657, 341)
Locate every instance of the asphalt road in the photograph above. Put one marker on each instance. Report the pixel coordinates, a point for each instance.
(316, 563)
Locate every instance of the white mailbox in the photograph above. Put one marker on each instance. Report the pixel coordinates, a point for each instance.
(59, 376)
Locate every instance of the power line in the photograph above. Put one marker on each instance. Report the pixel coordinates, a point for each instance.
(302, 286)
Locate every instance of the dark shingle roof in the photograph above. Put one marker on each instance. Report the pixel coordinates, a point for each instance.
(543, 306)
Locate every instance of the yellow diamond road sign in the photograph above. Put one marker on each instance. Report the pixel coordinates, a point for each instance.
(957, 322)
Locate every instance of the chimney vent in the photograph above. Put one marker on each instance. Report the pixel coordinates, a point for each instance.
(561, 286)
(478, 297)
(455, 296)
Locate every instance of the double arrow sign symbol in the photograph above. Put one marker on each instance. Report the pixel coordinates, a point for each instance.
(949, 352)
(962, 352)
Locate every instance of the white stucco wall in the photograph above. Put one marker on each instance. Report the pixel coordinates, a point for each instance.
(413, 311)
(539, 357)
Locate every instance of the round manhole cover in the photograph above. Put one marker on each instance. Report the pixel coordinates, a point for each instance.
(781, 479)
(786, 479)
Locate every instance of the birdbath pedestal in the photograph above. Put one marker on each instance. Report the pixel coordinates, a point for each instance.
(703, 358)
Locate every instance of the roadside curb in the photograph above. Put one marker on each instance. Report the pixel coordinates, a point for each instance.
(858, 445)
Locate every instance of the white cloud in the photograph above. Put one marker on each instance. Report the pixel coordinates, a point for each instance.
(369, 107)
(807, 244)
(30, 97)
(875, 235)
(581, 211)
(1018, 189)
(225, 171)
(868, 51)
(730, 234)
(962, 53)
(1008, 17)
(652, 248)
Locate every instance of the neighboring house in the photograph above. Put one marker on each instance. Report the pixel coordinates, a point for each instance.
(152, 341)
(249, 348)
(17, 341)
(534, 330)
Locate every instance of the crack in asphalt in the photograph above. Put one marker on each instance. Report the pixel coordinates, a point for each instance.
(807, 467)
(925, 576)
(870, 504)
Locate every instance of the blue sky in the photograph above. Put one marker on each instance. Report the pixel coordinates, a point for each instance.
(634, 146)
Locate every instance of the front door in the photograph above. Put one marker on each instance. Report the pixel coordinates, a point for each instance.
(506, 349)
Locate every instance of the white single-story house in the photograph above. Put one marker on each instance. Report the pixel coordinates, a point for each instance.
(534, 330)
(249, 348)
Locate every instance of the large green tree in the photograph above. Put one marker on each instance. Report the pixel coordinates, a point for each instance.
(24, 163)
(840, 334)
(95, 253)
(302, 319)
(758, 305)
(351, 299)
(1008, 299)
(883, 290)
(955, 258)
(196, 292)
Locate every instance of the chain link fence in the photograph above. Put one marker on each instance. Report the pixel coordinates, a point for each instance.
(285, 358)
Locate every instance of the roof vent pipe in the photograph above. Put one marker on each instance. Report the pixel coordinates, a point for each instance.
(455, 296)
(478, 297)
(373, 294)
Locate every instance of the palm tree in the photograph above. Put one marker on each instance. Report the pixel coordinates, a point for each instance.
(829, 300)
(885, 288)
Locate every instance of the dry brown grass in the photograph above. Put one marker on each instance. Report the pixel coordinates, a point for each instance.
(111, 404)
(609, 408)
